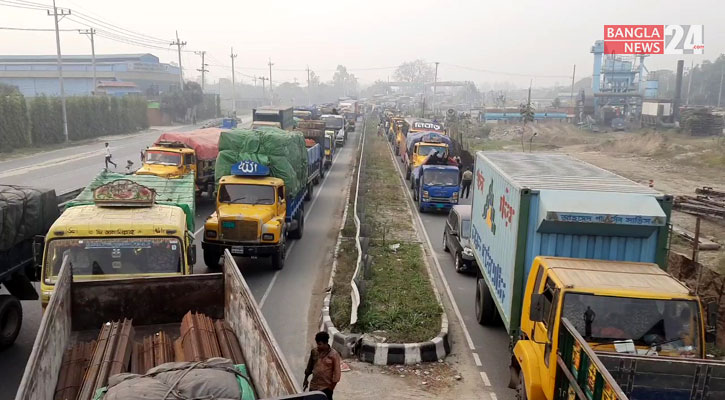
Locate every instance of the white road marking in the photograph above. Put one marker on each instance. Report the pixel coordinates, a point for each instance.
(484, 378)
(289, 249)
(435, 259)
(477, 360)
(493, 396)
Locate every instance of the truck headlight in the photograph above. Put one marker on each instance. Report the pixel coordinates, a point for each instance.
(467, 251)
(210, 234)
(268, 236)
(425, 194)
(455, 196)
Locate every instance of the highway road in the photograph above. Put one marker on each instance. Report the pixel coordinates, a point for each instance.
(290, 298)
(489, 345)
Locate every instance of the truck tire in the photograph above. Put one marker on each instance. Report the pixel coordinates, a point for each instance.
(11, 319)
(278, 258)
(211, 259)
(486, 312)
(308, 195)
(297, 233)
(407, 173)
(445, 243)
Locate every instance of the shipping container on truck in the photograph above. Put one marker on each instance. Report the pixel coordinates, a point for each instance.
(78, 310)
(526, 205)
(269, 116)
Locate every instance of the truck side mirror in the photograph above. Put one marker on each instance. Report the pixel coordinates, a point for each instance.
(536, 309)
(38, 245)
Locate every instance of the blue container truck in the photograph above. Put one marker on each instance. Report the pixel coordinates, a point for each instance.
(527, 205)
(314, 168)
(436, 187)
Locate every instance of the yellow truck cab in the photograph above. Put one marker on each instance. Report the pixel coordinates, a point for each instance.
(168, 160)
(329, 147)
(124, 234)
(617, 307)
(421, 150)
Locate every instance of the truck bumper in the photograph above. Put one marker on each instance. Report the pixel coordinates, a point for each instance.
(243, 250)
(436, 206)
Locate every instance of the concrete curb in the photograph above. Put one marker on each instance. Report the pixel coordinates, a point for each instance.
(384, 353)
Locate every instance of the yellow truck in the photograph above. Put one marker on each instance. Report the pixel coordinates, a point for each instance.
(176, 154)
(260, 198)
(593, 329)
(122, 226)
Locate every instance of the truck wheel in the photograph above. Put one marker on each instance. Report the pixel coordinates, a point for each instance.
(486, 313)
(445, 243)
(407, 173)
(211, 259)
(11, 319)
(278, 258)
(297, 233)
(308, 195)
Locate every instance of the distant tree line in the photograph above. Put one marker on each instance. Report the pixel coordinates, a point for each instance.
(40, 121)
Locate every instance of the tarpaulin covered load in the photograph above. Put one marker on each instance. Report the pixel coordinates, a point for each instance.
(283, 152)
(176, 192)
(432, 137)
(205, 142)
(216, 378)
(24, 213)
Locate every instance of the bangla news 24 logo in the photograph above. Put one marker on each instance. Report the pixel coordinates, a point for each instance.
(654, 39)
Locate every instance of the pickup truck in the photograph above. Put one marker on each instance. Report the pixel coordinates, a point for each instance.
(176, 154)
(122, 226)
(258, 205)
(435, 187)
(602, 330)
(25, 212)
(79, 309)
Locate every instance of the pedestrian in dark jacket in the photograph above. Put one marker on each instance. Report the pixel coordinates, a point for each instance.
(323, 365)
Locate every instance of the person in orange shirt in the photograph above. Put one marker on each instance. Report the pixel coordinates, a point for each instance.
(323, 365)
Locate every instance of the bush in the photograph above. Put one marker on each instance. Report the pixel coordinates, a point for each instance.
(46, 120)
(14, 128)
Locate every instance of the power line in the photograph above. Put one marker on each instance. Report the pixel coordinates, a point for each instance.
(17, 4)
(506, 73)
(9, 28)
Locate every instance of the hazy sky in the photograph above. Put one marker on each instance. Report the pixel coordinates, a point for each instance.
(526, 39)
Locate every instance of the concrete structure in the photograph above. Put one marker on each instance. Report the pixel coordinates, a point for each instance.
(36, 75)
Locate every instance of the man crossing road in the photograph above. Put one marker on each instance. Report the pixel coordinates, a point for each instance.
(109, 156)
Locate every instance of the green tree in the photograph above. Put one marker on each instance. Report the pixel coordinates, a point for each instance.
(417, 73)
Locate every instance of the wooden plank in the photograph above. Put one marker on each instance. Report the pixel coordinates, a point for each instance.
(705, 244)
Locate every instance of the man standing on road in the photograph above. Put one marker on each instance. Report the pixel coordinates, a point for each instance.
(108, 157)
(323, 365)
(466, 180)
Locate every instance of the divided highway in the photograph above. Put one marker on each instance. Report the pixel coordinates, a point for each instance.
(289, 298)
(489, 345)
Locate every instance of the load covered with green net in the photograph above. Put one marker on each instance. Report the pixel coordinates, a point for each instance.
(282, 151)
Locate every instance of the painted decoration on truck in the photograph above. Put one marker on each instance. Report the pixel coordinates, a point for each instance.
(494, 232)
(124, 192)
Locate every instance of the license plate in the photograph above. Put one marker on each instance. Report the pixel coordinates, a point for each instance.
(237, 250)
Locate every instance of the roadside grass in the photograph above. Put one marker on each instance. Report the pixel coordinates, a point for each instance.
(399, 298)
(340, 302)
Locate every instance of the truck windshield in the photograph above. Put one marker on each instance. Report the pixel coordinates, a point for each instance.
(425, 150)
(440, 177)
(333, 122)
(246, 194)
(672, 327)
(163, 158)
(114, 256)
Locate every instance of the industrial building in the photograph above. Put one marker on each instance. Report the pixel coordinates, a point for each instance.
(116, 74)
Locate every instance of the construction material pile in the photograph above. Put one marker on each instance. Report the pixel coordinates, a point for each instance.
(24, 213)
(702, 122)
(283, 152)
(178, 192)
(117, 365)
(708, 203)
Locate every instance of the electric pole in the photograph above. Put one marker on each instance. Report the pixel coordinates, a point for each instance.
(571, 96)
(62, 13)
(203, 69)
(178, 43)
(90, 33)
(689, 82)
(435, 89)
(271, 92)
(264, 90)
(234, 85)
(719, 95)
(309, 96)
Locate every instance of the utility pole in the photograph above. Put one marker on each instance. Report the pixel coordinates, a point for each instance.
(689, 82)
(264, 90)
(62, 13)
(178, 43)
(203, 69)
(435, 88)
(271, 92)
(234, 85)
(719, 95)
(90, 33)
(309, 97)
(571, 95)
